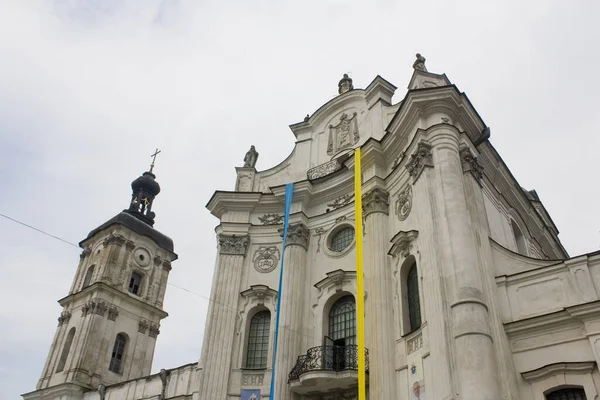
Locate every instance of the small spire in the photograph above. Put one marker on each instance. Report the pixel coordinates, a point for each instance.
(153, 159)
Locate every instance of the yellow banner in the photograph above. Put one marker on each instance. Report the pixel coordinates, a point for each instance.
(360, 289)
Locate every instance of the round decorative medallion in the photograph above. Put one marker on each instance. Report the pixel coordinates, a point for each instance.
(266, 258)
(404, 203)
(141, 257)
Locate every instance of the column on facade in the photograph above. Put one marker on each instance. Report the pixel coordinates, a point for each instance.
(114, 245)
(219, 334)
(292, 308)
(379, 304)
(475, 358)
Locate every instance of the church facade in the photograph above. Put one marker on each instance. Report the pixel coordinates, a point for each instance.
(469, 293)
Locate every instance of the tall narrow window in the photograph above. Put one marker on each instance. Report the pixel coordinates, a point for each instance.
(258, 340)
(519, 238)
(88, 277)
(134, 283)
(412, 292)
(567, 394)
(116, 359)
(65, 351)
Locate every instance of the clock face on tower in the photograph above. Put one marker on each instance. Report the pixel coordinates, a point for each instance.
(141, 257)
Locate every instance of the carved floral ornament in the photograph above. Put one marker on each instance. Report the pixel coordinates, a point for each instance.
(341, 201)
(470, 164)
(422, 158)
(271, 219)
(404, 203)
(64, 318)
(233, 245)
(375, 201)
(297, 235)
(324, 169)
(265, 258)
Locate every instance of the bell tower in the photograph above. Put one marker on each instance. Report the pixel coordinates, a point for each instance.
(111, 316)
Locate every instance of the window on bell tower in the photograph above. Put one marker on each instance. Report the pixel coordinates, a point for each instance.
(116, 359)
(88, 277)
(135, 283)
(66, 350)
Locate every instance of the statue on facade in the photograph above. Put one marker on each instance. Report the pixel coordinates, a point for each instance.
(102, 391)
(163, 374)
(419, 64)
(345, 84)
(250, 158)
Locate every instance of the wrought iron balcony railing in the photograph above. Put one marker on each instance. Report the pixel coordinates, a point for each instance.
(328, 358)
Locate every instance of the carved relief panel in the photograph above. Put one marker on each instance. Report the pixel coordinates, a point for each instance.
(344, 134)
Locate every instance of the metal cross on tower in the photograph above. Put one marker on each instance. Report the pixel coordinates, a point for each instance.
(154, 159)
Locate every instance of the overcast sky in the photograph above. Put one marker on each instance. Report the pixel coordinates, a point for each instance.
(89, 88)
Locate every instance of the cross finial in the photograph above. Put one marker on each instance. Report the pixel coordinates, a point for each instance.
(154, 159)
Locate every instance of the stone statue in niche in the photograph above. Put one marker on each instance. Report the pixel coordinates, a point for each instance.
(419, 64)
(343, 135)
(250, 158)
(345, 84)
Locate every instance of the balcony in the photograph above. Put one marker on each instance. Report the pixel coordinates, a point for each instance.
(324, 368)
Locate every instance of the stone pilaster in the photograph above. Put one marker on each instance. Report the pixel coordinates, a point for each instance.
(292, 308)
(220, 327)
(379, 304)
(475, 359)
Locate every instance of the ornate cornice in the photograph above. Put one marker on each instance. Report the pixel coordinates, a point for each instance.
(260, 293)
(375, 201)
(422, 158)
(470, 164)
(117, 239)
(401, 243)
(559, 369)
(233, 245)
(297, 235)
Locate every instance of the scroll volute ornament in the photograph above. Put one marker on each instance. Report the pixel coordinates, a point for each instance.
(375, 201)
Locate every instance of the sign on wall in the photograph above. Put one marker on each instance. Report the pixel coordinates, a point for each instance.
(250, 394)
(415, 377)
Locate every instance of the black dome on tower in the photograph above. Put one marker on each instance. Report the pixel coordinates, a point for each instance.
(144, 190)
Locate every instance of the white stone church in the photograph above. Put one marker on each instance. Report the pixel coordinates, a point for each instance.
(469, 293)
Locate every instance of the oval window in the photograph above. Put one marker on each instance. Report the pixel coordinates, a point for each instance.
(341, 239)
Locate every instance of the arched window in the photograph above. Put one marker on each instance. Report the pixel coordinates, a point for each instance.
(135, 283)
(118, 353)
(567, 394)
(519, 238)
(65, 350)
(88, 277)
(412, 293)
(342, 322)
(258, 340)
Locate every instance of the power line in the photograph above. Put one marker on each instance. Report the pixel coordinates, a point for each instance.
(168, 283)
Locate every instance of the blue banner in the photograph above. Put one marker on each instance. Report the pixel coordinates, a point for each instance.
(250, 394)
(289, 191)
